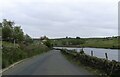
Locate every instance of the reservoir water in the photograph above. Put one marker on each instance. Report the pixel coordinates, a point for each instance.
(98, 52)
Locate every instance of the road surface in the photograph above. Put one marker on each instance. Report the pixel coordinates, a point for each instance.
(50, 63)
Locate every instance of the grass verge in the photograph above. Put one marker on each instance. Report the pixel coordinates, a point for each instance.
(94, 71)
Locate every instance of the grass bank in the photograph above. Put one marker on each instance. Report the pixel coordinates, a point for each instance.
(109, 43)
(12, 53)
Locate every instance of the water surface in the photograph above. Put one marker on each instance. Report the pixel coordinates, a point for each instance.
(98, 52)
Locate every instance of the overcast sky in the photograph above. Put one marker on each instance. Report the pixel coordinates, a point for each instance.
(61, 18)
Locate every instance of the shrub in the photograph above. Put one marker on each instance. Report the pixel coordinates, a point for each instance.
(11, 54)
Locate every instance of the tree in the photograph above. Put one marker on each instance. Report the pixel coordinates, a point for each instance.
(77, 37)
(44, 38)
(66, 37)
(6, 33)
(7, 23)
(27, 39)
(48, 43)
(11, 32)
(7, 29)
(18, 34)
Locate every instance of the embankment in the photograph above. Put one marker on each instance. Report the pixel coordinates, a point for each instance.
(108, 68)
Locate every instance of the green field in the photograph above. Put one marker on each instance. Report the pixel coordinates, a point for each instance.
(102, 43)
(108, 42)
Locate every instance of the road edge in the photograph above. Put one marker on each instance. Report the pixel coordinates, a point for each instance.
(12, 65)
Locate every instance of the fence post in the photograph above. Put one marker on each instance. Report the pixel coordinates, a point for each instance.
(82, 48)
(106, 56)
(91, 53)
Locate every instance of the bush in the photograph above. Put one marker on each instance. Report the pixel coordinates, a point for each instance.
(11, 54)
(48, 43)
(81, 51)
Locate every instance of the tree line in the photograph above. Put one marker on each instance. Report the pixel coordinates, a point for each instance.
(13, 33)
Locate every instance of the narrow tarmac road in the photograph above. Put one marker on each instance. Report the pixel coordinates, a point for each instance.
(50, 63)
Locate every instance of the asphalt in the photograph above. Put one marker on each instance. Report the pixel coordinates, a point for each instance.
(50, 63)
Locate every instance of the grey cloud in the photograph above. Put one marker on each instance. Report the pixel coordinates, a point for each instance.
(64, 18)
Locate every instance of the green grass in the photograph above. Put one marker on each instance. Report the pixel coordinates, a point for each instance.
(111, 42)
(8, 44)
(80, 65)
(101, 43)
(12, 54)
(67, 42)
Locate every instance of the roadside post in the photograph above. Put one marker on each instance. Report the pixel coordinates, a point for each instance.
(91, 53)
(106, 56)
